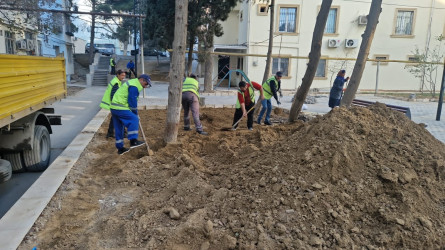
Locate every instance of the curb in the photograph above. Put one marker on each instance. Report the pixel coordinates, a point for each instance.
(17, 222)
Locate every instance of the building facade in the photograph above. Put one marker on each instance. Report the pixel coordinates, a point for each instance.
(30, 37)
(403, 27)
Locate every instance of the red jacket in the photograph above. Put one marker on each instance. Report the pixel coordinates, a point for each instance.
(246, 99)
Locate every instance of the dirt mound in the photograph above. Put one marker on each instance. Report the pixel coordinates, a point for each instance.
(352, 178)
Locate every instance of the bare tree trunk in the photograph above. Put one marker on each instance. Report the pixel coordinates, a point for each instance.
(176, 72)
(269, 51)
(190, 55)
(208, 69)
(314, 58)
(93, 25)
(359, 67)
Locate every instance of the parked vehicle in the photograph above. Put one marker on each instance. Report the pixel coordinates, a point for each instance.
(27, 85)
(107, 49)
(87, 48)
(165, 54)
(151, 52)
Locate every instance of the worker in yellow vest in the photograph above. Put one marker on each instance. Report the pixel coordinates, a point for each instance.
(245, 102)
(113, 66)
(114, 84)
(190, 101)
(270, 88)
(125, 112)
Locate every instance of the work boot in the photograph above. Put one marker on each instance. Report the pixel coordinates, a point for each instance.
(187, 129)
(202, 133)
(135, 143)
(122, 151)
(267, 123)
(250, 129)
(109, 136)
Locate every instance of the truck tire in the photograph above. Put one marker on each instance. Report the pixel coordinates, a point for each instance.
(37, 159)
(17, 164)
(5, 170)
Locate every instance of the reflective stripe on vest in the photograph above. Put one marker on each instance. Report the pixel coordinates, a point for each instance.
(120, 99)
(106, 99)
(266, 88)
(251, 93)
(191, 85)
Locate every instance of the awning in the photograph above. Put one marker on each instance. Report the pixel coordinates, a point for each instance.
(235, 48)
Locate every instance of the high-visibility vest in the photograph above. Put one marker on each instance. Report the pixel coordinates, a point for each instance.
(191, 85)
(111, 62)
(106, 100)
(120, 98)
(251, 93)
(266, 87)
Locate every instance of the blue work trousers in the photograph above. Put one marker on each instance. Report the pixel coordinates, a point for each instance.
(266, 105)
(121, 119)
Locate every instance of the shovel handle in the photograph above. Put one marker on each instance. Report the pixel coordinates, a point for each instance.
(236, 123)
(143, 136)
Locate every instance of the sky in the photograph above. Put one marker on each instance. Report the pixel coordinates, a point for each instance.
(83, 22)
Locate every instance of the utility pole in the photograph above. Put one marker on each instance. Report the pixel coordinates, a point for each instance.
(135, 40)
(442, 89)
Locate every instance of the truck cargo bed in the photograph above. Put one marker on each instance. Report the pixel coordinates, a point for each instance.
(29, 83)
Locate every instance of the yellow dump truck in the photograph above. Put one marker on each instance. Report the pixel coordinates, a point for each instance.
(28, 84)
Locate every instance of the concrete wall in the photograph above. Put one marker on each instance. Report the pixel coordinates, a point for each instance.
(392, 76)
(79, 45)
(232, 23)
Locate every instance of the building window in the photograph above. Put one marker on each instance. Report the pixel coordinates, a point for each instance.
(9, 42)
(321, 69)
(381, 58)
(28, 35)
(281, 64)
(404, 24)
(287, 19)
(413, 59)
(262, 9)
(331, 24)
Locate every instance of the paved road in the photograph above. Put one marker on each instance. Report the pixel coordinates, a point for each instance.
(76, 112)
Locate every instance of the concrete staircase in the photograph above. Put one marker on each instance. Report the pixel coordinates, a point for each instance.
(102, 71)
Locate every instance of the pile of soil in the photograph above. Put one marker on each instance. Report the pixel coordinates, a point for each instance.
(367, 178)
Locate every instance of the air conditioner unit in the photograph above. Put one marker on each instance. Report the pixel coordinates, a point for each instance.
(362, 20)
(351, 43)
(31, 44)
(334, 43)
(21, 44)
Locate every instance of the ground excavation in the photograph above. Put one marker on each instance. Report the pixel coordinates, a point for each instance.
(351, 179)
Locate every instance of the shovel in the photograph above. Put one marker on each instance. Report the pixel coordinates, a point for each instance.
(149, 151)
(236, 123)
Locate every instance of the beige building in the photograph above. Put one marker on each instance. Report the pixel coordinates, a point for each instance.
(403, 26)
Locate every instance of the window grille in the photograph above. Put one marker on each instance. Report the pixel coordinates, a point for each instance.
(404, 24)
(288, 17)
